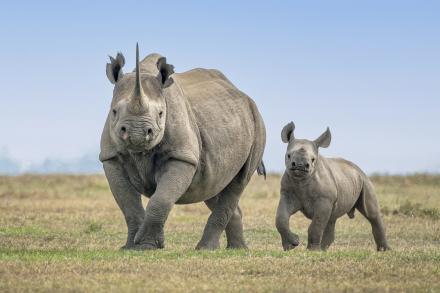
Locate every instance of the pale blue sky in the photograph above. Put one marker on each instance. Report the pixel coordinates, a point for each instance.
(370, 71)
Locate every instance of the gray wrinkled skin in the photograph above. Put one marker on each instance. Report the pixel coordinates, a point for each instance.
(179, 138)
(324, 190)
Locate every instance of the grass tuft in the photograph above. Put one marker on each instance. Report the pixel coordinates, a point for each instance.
(93, 227)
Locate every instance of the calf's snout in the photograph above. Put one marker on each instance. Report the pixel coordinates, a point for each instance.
(297, 162)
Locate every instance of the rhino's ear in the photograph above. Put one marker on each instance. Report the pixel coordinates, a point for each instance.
(165, 70)
(114, 68)
(287, 132)
(324, 139)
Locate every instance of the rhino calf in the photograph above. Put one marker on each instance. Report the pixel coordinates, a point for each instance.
(323, 189)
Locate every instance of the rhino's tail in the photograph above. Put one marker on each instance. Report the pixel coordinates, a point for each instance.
(351, 213)
(261, 169)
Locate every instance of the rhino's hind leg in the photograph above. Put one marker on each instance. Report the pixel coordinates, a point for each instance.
(328, 236)
(224, 209)
(367, 205)
(234, 228)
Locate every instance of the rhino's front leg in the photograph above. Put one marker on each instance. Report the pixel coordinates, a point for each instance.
(286, 208)
(322, 210)
(172, 182)
(127, 198)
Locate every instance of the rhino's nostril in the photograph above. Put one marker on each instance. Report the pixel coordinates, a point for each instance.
(149, 131)
(307, 165)
(293, 164)
(123, 129)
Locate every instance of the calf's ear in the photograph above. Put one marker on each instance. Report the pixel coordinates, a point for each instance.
(114, 68)
(287, 132)
(324, 139)
(165, 70)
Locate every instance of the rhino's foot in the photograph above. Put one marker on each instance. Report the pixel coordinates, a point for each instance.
(150, 241)
(146, 246)
(314, 247)
(127, 247)
(237, 245)
(208, 245)
(290, 241)
(324, 247)
(383, 248)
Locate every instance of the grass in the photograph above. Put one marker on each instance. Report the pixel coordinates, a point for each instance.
(62, 233)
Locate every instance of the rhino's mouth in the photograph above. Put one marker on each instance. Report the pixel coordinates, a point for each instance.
(140, 144)
(299, 171)
(145, 148)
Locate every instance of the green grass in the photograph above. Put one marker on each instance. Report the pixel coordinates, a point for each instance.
(63, 233)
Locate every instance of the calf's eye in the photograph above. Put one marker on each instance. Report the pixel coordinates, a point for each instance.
(114, 112)
(313, 160)
(160, 114)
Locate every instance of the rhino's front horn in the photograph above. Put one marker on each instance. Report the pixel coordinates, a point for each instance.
(137, 100)
(138, 91)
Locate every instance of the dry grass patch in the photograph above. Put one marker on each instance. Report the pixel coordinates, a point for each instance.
(62, 233)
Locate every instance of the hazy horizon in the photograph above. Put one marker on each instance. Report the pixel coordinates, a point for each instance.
(370, 71)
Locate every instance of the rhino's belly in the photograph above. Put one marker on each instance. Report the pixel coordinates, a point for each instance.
(346, 200)
(224, 153)
(215, 172)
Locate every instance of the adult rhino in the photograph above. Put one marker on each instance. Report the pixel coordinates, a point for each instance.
(179, 138)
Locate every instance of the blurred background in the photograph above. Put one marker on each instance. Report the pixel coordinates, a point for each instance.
(370, 71)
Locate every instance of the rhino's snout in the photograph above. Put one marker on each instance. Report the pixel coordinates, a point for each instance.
(298, 164)
(136, 137)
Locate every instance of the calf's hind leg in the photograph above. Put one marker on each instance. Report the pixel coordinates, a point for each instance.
(367, 205)
(234, 228)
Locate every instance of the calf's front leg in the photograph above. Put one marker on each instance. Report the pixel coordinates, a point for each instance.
(322, 210)
(172, 182)
(286, 208)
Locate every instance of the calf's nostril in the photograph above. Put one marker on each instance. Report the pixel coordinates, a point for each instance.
(307, 165)
(149, 131)
(293, 164)
(123, 129)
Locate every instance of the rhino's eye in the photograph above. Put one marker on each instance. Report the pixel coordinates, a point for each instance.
(160, 114)
(313, 160)
(288, 156)
(114, 112)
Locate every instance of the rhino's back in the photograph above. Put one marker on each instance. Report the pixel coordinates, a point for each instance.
(226, 121)
(349, 180)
